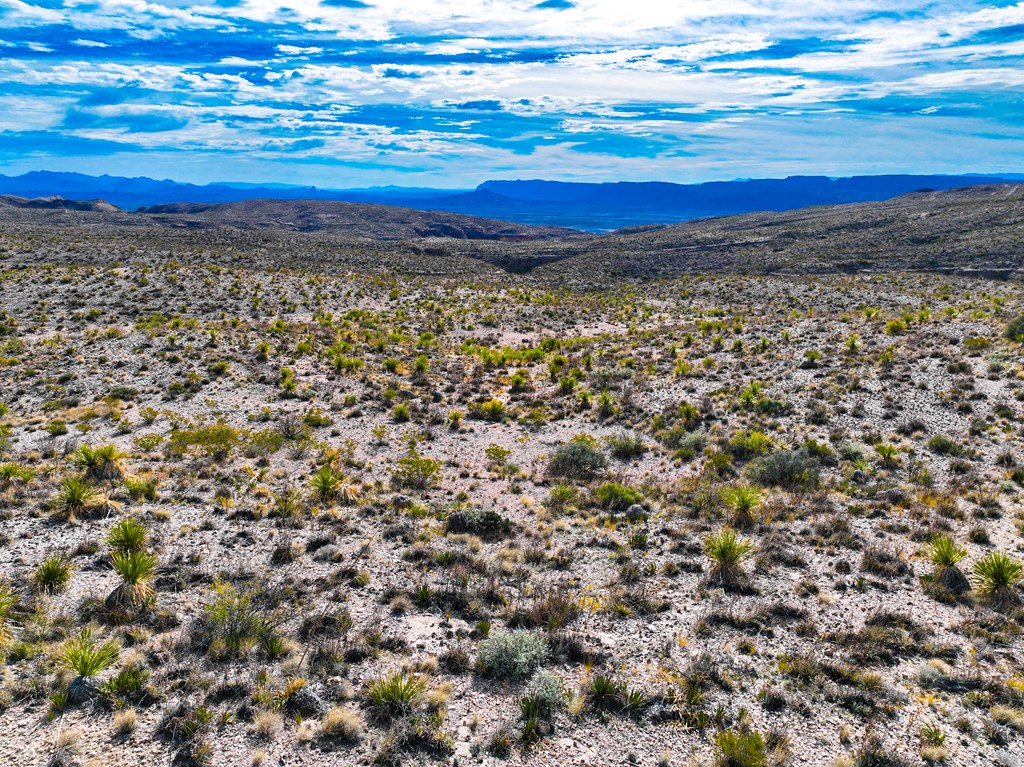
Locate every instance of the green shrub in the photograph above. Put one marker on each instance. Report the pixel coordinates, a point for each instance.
(736, 748)
(233, 623)
(791, 469)
(416, 471)
(483, 523)
(748, 444)
(562, 496)
(945, 446)
(147, 443)
(10, 473)
(577, 460)
(215, 441)
(686, 444)
(491, 410)
(611, 496)
(8, 605)
(141, 489)
(126, 684)
(547, 691)
(1015, 330)
(627, 446)
(315, 418)
(895, 327)
(513, 654)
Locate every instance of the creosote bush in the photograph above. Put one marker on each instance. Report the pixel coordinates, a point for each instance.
(577, 460)
(235, 623)
(512, 654)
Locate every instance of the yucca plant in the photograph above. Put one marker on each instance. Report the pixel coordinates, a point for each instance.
(86, 657)
(53, 574)
(8, 604)
(996, 576)
(743, 501)
(605, 692)
(136, 569)
(99, 463)
(740, 749)
(393, 697)
(888, 455)
(13, 473)
(77, 498)
(326, 484)
(127, 535)
(727, 551)
(945, 554)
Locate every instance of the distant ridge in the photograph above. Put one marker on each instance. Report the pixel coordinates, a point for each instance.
(596, 207)
(350, 220)
(376, 222)
(56, 203)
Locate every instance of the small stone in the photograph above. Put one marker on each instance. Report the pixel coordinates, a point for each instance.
(458, 522)
(636, 513)
(309, 704)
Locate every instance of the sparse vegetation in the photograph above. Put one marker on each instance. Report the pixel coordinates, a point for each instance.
(324, 498)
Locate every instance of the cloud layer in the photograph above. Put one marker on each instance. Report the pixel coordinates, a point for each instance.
(360, 92)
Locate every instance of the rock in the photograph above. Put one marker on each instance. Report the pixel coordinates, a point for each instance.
(636, 513)
(327, 553)
(307, 703)
(458, 522)
(895, 495)
(82, 689)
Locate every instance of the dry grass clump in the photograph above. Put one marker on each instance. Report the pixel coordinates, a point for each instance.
(341, 725)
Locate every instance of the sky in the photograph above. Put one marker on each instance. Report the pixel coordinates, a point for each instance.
(353, 93)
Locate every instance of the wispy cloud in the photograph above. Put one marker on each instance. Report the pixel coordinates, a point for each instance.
(378, 91)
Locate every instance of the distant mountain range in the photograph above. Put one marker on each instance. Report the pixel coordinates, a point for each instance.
(585, 206)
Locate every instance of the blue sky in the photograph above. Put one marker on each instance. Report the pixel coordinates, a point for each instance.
(361, 92)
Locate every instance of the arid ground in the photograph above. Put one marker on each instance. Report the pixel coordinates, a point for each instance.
(742, 492)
